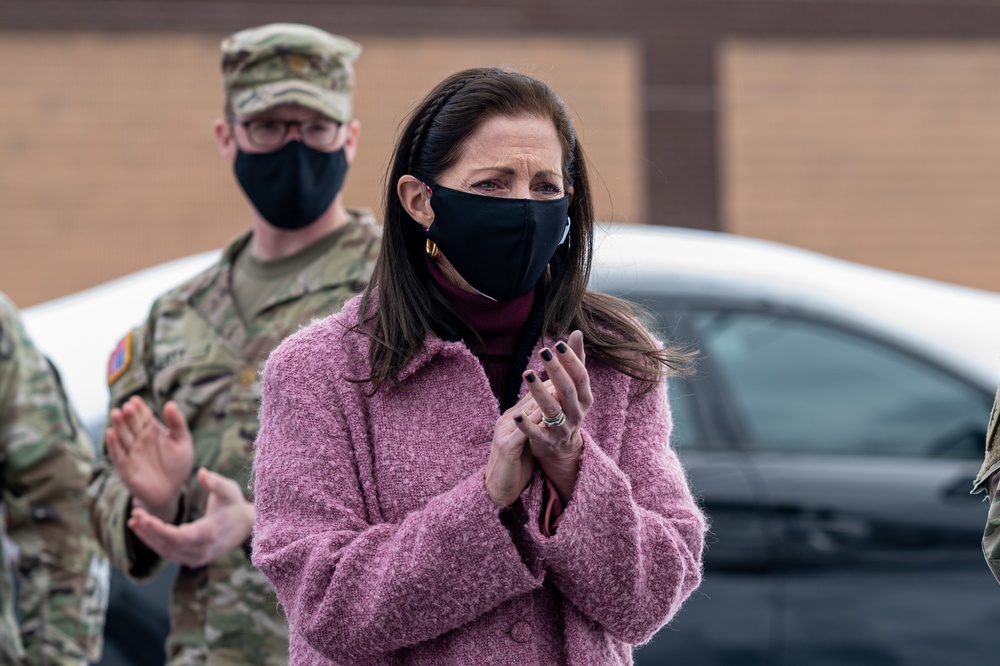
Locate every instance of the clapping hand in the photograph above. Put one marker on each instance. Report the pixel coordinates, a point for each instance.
(543, 428)
(225, 526)
(552, 425)
(153, 460)
(511, 464)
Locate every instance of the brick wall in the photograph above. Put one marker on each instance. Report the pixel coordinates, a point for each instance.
(108, 162)
(886, 153)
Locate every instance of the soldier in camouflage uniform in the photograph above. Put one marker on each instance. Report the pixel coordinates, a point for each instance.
(45, 464)
(185, 387)
(988, 479)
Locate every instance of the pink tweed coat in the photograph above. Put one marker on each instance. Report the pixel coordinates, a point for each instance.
(373, 523)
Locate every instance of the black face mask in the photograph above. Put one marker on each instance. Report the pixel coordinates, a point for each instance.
(500, 246)
(292, 186)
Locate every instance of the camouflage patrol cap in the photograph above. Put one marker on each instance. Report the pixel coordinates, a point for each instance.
(289, 63)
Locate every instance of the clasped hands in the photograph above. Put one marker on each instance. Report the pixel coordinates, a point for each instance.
(155, 460)
(520, 438)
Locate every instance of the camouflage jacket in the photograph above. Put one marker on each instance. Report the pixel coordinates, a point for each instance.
(45, 464)
(991, 467)
(196, 350)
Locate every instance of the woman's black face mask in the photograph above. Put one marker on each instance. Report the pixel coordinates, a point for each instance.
(500, 246)
(292, 186)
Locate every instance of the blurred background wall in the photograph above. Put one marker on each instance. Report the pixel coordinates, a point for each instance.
(865, 129)
(110, 164)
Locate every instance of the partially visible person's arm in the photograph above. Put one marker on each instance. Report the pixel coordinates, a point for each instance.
(991, 535)
(111, 501)
(141, 492)
(45, 462)
(989, 477)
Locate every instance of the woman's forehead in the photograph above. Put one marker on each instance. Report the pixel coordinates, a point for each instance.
(502, 139)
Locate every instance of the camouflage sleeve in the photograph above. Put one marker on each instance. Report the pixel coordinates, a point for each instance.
(45, 463)
(991, 535)
(989, 478)
(991, 460)
(110, 500)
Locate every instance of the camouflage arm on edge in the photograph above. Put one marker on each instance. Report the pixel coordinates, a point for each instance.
(991, 537)
(46, 463)
(987, 479)
(991, 459)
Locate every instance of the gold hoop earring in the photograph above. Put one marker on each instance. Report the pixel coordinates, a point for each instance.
(432, 249)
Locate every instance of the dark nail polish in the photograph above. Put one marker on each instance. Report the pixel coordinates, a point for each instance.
(546, 355)
(518, 419)
(561, 347)
(531, 378)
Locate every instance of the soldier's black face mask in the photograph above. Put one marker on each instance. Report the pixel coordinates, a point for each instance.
(292, 186)
(500, 246)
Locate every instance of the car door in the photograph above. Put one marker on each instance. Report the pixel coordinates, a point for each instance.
(730, 618)
(864, 453)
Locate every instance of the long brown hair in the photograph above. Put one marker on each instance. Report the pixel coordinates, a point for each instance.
(431, 142)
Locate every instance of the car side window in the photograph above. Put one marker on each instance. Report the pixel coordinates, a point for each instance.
(806, 386)
(687, 432)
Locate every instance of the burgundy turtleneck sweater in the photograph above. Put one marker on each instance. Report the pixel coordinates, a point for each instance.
(498, 324)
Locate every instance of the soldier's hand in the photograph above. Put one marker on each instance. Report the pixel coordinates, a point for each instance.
(225, 526)
(154, 460)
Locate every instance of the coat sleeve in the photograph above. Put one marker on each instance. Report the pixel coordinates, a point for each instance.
(629, 545)
(45, 463)
(352, 587)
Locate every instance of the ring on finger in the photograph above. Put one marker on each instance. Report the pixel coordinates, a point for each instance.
(526, 411)
(554, 421)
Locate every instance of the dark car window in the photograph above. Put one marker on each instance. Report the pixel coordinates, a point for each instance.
(685, 433)
(799, 385)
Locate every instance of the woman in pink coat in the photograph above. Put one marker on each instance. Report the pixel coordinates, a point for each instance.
(470, 464)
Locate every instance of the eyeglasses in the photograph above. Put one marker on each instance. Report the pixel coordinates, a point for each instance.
(269, 133)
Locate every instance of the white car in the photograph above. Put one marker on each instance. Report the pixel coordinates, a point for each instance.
(832, 434)
(80, 330)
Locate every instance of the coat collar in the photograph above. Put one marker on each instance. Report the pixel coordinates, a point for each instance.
(435, 348)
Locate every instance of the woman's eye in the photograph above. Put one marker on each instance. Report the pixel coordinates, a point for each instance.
(488, 185)
(549, 188)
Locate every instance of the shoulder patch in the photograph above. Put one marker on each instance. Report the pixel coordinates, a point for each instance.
(120, 358)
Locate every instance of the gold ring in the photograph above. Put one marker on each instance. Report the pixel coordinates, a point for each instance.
(526, 411)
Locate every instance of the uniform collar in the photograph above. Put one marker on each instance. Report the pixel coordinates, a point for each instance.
(350, 262)
(331, 270)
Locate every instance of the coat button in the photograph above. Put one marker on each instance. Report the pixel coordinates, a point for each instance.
(521, 632)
